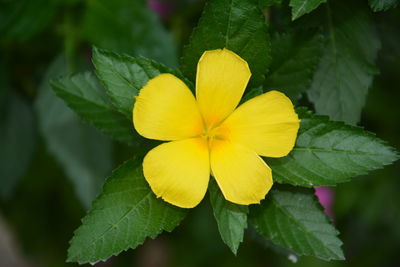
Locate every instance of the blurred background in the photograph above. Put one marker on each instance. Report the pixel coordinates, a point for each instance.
(52, 165)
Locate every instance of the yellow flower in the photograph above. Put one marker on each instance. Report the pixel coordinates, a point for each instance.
(209, 135)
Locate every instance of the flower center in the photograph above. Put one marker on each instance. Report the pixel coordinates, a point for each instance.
(216, 133)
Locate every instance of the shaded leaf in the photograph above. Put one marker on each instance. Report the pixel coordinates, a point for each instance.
(295, 220)
(346, 69)
(83, 153)
(122, 217)
(302, 7)
(295, 57)
(83, 93)
(253, 92)
(268, 244)
(24, 18)
(330, 152)
(234, 24)
(383, 5)
(17, 142)
(123, 76)
(127, 26)
(231, 218)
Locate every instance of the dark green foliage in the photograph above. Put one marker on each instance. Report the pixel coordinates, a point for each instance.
(326, 49)
(346, 69)
(253, 92)
(83, 93)
(24, 18)
(127, 26)
(301, 7)
(296, 55)
(296, 221)
(234, 24)
(382, 5)
(122, 217)
(83, 153)
(17, 141)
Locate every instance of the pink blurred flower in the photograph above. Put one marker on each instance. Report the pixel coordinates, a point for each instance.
(326, 197)
(162, 8)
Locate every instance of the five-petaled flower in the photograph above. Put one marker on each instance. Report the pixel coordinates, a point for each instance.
(209, 135)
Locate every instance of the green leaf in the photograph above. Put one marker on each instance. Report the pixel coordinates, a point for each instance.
(122, 217)
(17, 142)
(127, 26)
(346, 69)
(295, 220)
(268, 244)
(22, 19)
(383, 5)
(231, 218)
(234, 24)
(330, 152)
(253, 92)
(85, 95)
(295, 57)
(83, 152)
(302, 7)
(123, 76)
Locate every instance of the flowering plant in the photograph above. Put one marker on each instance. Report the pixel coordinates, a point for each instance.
(246, 144)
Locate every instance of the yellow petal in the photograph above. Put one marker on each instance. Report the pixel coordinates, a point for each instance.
(179, 171)
(166, 110)
(266, 124)
(244, 178)
(222, 77)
